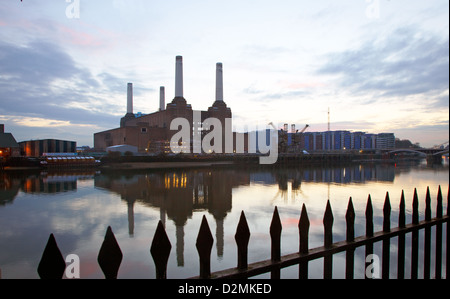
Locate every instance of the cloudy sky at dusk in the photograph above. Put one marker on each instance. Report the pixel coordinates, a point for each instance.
(379, 65)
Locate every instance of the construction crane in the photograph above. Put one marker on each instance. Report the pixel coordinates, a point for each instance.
(301, 132)
(304, 129)
(283, 138)
(271, 124)
(296, 139)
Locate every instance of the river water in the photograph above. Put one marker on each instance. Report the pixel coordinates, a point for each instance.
(78, 207)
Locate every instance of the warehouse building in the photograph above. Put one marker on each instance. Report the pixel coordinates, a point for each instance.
(38, 148)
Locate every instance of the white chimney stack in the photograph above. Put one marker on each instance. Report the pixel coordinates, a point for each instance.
(219, 82)
(179, 77)
(130, 99)
(162, 99)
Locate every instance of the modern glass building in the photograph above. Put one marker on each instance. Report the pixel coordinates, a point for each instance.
(345, 140)
(385, 141)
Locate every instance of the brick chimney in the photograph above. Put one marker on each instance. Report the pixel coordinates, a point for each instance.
(179, 77)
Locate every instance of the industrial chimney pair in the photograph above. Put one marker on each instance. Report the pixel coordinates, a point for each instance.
(178, 86)
(179, 79)
(162, 101)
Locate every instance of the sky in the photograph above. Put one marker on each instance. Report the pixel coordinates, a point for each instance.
(377, 65)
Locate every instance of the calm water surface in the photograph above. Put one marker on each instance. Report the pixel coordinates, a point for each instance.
(77, 207)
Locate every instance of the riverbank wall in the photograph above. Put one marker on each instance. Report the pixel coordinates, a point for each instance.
(190, 161)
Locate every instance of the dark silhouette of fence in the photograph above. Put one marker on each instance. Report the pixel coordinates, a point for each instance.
(52, 264)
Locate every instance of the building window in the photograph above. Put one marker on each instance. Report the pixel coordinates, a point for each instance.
(143, 130)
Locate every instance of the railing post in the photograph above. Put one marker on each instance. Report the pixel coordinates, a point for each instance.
(303, 227)
(350, 254)
(275, 235)
(369, 230)
(439, 214)
(110, 255)
(204, 246)
(52, 264)
(387, 241)
(160, 251)
(242, 238)
(328, 221)
(401, 239)
(448, 239)
(415, 238)
(427, 245)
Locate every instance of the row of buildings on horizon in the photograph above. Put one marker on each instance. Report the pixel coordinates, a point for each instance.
(151, 134)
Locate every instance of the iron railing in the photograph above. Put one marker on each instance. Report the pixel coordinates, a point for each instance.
(52, 264)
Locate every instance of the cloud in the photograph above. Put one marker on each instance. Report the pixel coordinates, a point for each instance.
(290, 92)
(39, 63)
(402, 63)
(43, 87)
(429, 135)
(288, 95)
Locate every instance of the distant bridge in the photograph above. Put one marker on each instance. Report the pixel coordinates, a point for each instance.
(425, 152)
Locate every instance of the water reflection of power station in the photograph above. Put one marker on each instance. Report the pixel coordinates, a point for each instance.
(11, 183)
(177, 194)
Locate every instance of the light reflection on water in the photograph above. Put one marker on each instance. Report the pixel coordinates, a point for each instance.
(78, 208)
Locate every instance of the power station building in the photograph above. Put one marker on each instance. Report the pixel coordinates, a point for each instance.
(151, 132)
